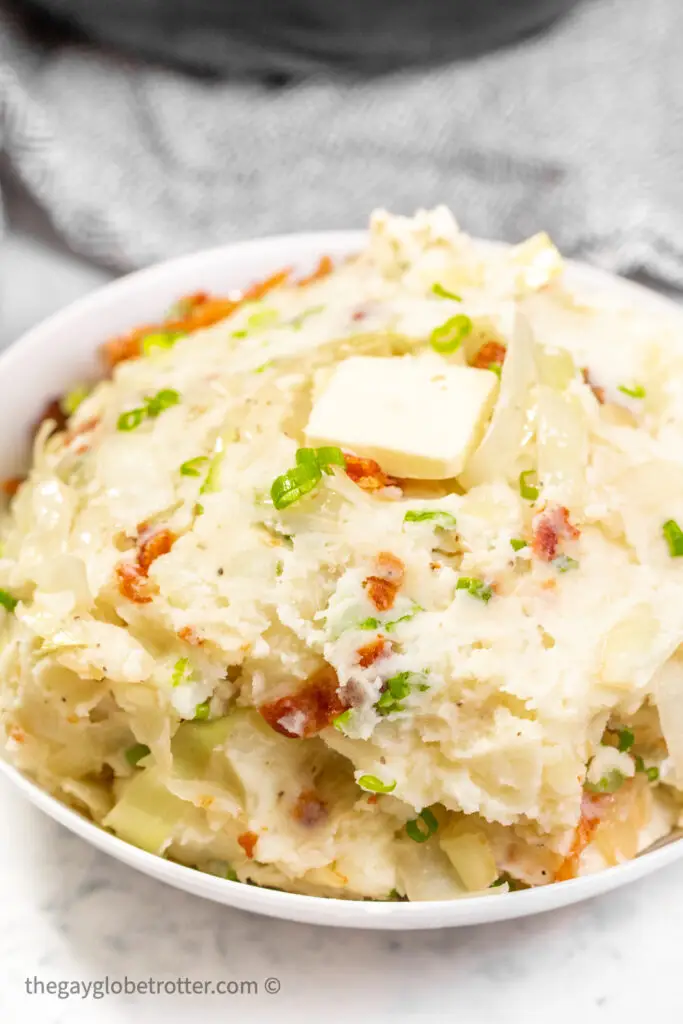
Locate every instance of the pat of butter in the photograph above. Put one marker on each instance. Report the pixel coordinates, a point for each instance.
(419, 418)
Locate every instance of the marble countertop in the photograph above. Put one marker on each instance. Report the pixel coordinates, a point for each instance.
(69, 913)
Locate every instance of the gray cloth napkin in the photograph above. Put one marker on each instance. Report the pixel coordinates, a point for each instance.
(577, 131)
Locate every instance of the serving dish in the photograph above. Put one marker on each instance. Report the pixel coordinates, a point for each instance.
(65, 348)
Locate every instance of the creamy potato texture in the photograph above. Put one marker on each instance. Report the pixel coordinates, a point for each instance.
(368, 586)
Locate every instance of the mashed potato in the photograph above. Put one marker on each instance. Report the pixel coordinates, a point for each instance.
(265, 657)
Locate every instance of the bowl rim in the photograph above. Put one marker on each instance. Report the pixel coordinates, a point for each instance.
(367, 914)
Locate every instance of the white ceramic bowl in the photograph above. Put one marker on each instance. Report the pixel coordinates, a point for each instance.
(47, 360)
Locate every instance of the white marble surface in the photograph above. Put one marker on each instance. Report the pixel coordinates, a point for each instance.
(70, 914)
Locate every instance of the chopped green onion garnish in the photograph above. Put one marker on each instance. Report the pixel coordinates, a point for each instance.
(203, 710)
(193, 467)
(199, 509)
(443, 293)
(264, 366)
(652, 774)
(397, 689)
(160, 339)
(279, 568)
(370, 623)
(609, 783)
(637, 391)
(442, 519)
(311, 463)
(415, 828)
(7, 601)
(298, 321)
(517, 544)
(374, 785)
(229, 873)
(239, 334)
(341, 721)
(449, 336)
(477, 588)
(162, 400)
(495, 368)
(131, 419)
(529, 491)
(391, 626)
(626, 740)
(395, 895)
(673, 535)
(639, 763)
(213, 477)
(72, 399)
(563, 563)
(263, 318)
(136, 753)
(181, 672)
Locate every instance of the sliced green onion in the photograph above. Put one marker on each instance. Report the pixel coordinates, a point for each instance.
(477, 588)
(415, 828)
(341, 721)
(279, 568)
(7, 601)
(266, 317)
(72, 399)
(298, 321)
(609, 783)
(637, 391)
(163, 399)
(395, 896)
(370, 623)
(397, 689)
(449, 336)
(202, 711)
(495, 368)
(264, 366)
(311, 463)
(374, 785)
(213, 477)
(673, 535)
(199, 509)
(639, 763)
(652, 774)
(626, 740)
(136, 753)
(193, 467)
(180, 672)
(443, 519)
(160, 339)
(391, 626)
(130, 420)
(529, 491)
(563, 563)
(443, 293)
(229, 873)
(517, 544)
(239, 334)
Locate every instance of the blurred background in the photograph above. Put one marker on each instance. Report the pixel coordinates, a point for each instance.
(135, 130)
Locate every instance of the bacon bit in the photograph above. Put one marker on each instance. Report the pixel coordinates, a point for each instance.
(367, 473)
(152, 544)
(435, 566)
(188, 634)
(248, 841)
(359, 314)
(490, 352)
(52, 411)
(373, 798)
(133, 583)
(196, 311)
(324, 268)
(592, 809)
(12, 485)
(382, 589)
(368, 654)
(17, 734)
(550, 526)
(597, 391)
(309, 710)
(309, 809)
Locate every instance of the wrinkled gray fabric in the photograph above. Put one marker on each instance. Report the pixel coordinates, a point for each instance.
(577, 131)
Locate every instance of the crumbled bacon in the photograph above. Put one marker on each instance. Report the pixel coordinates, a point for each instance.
(133, 583)
(152, 544)
(369, 653)
(549, 527)
(308, 710)
(191, 314)
(309, 809)
(597, 391)
(593, 807)
(12, 484)
(324, 268)
(490, 352)
(359, 314)
(248, 841)
(367, 473)
(383, 587)
(190, 636)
